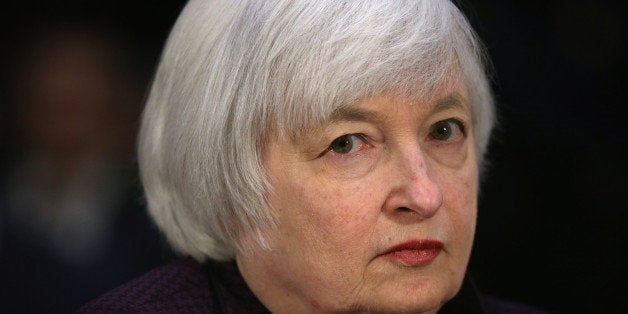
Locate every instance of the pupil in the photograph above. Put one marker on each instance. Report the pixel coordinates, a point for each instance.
(442, 131)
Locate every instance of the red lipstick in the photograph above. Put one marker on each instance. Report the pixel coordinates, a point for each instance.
(415, 252)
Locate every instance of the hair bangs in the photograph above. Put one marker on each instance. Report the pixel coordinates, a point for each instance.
(406, 49)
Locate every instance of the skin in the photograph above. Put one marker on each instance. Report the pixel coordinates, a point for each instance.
(338, 213)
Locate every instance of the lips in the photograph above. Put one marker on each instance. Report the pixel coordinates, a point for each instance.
(414, 253)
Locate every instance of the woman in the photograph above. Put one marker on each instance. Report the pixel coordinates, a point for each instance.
(314, 156)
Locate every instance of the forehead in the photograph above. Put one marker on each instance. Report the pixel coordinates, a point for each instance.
(357, 111)
(449, 95)
(452, 92)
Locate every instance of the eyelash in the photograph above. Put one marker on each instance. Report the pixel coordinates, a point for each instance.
(351, 136)
(363, 138)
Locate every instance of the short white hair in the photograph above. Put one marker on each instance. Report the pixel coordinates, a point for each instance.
(234, 71)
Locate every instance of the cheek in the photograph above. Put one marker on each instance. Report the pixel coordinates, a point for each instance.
(325, 232)
(461, 198)
(338, 214)
(327, 228)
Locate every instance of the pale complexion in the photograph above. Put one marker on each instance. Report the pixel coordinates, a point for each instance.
(380, 172)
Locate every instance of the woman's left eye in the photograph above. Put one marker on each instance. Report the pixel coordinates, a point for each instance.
(446, 130)
(348, 143)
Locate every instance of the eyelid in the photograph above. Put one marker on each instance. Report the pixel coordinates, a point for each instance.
(459, 122)
(361, 136)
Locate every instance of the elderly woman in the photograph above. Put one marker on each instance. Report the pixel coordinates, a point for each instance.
(314, 156)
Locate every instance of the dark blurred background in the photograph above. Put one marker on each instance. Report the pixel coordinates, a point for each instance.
(551, 227)
(553, 204)
(73, 223)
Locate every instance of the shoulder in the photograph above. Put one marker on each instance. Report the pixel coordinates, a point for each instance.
(180, 286)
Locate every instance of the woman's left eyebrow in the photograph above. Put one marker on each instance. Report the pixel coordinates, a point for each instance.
(450, 101)
(350, 113)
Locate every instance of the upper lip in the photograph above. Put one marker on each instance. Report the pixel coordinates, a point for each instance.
(426, 244)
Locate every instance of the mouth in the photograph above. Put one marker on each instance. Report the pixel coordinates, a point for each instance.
(414, 253)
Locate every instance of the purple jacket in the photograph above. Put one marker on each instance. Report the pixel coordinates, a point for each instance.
(188, 287)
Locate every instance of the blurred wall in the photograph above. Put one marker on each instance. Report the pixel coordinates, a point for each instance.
(73, 223)
(552, 211)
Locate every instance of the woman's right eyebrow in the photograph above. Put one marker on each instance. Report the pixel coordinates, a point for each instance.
(353, 114)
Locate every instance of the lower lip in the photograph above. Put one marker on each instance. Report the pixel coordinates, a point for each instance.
(415, 256)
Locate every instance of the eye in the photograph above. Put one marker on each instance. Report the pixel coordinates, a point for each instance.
(446, 130)
(347, 143)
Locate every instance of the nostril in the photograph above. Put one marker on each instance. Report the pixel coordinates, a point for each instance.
(407, 211)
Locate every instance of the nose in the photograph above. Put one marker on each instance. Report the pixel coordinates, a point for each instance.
(414, 189)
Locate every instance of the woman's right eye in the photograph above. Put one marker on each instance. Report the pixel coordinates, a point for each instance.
(347, 144)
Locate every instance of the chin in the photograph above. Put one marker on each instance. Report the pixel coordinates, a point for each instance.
(408, 297)
(403, 307)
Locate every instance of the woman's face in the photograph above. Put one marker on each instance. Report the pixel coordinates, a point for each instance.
(376, 209)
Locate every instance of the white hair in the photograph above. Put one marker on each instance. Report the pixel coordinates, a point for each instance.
(233, 71)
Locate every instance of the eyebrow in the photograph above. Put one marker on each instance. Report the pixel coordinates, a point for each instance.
(353, 114)
(348, 113)
(450, 101)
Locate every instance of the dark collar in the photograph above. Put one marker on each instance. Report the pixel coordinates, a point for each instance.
(231, 293)
(466, 301)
